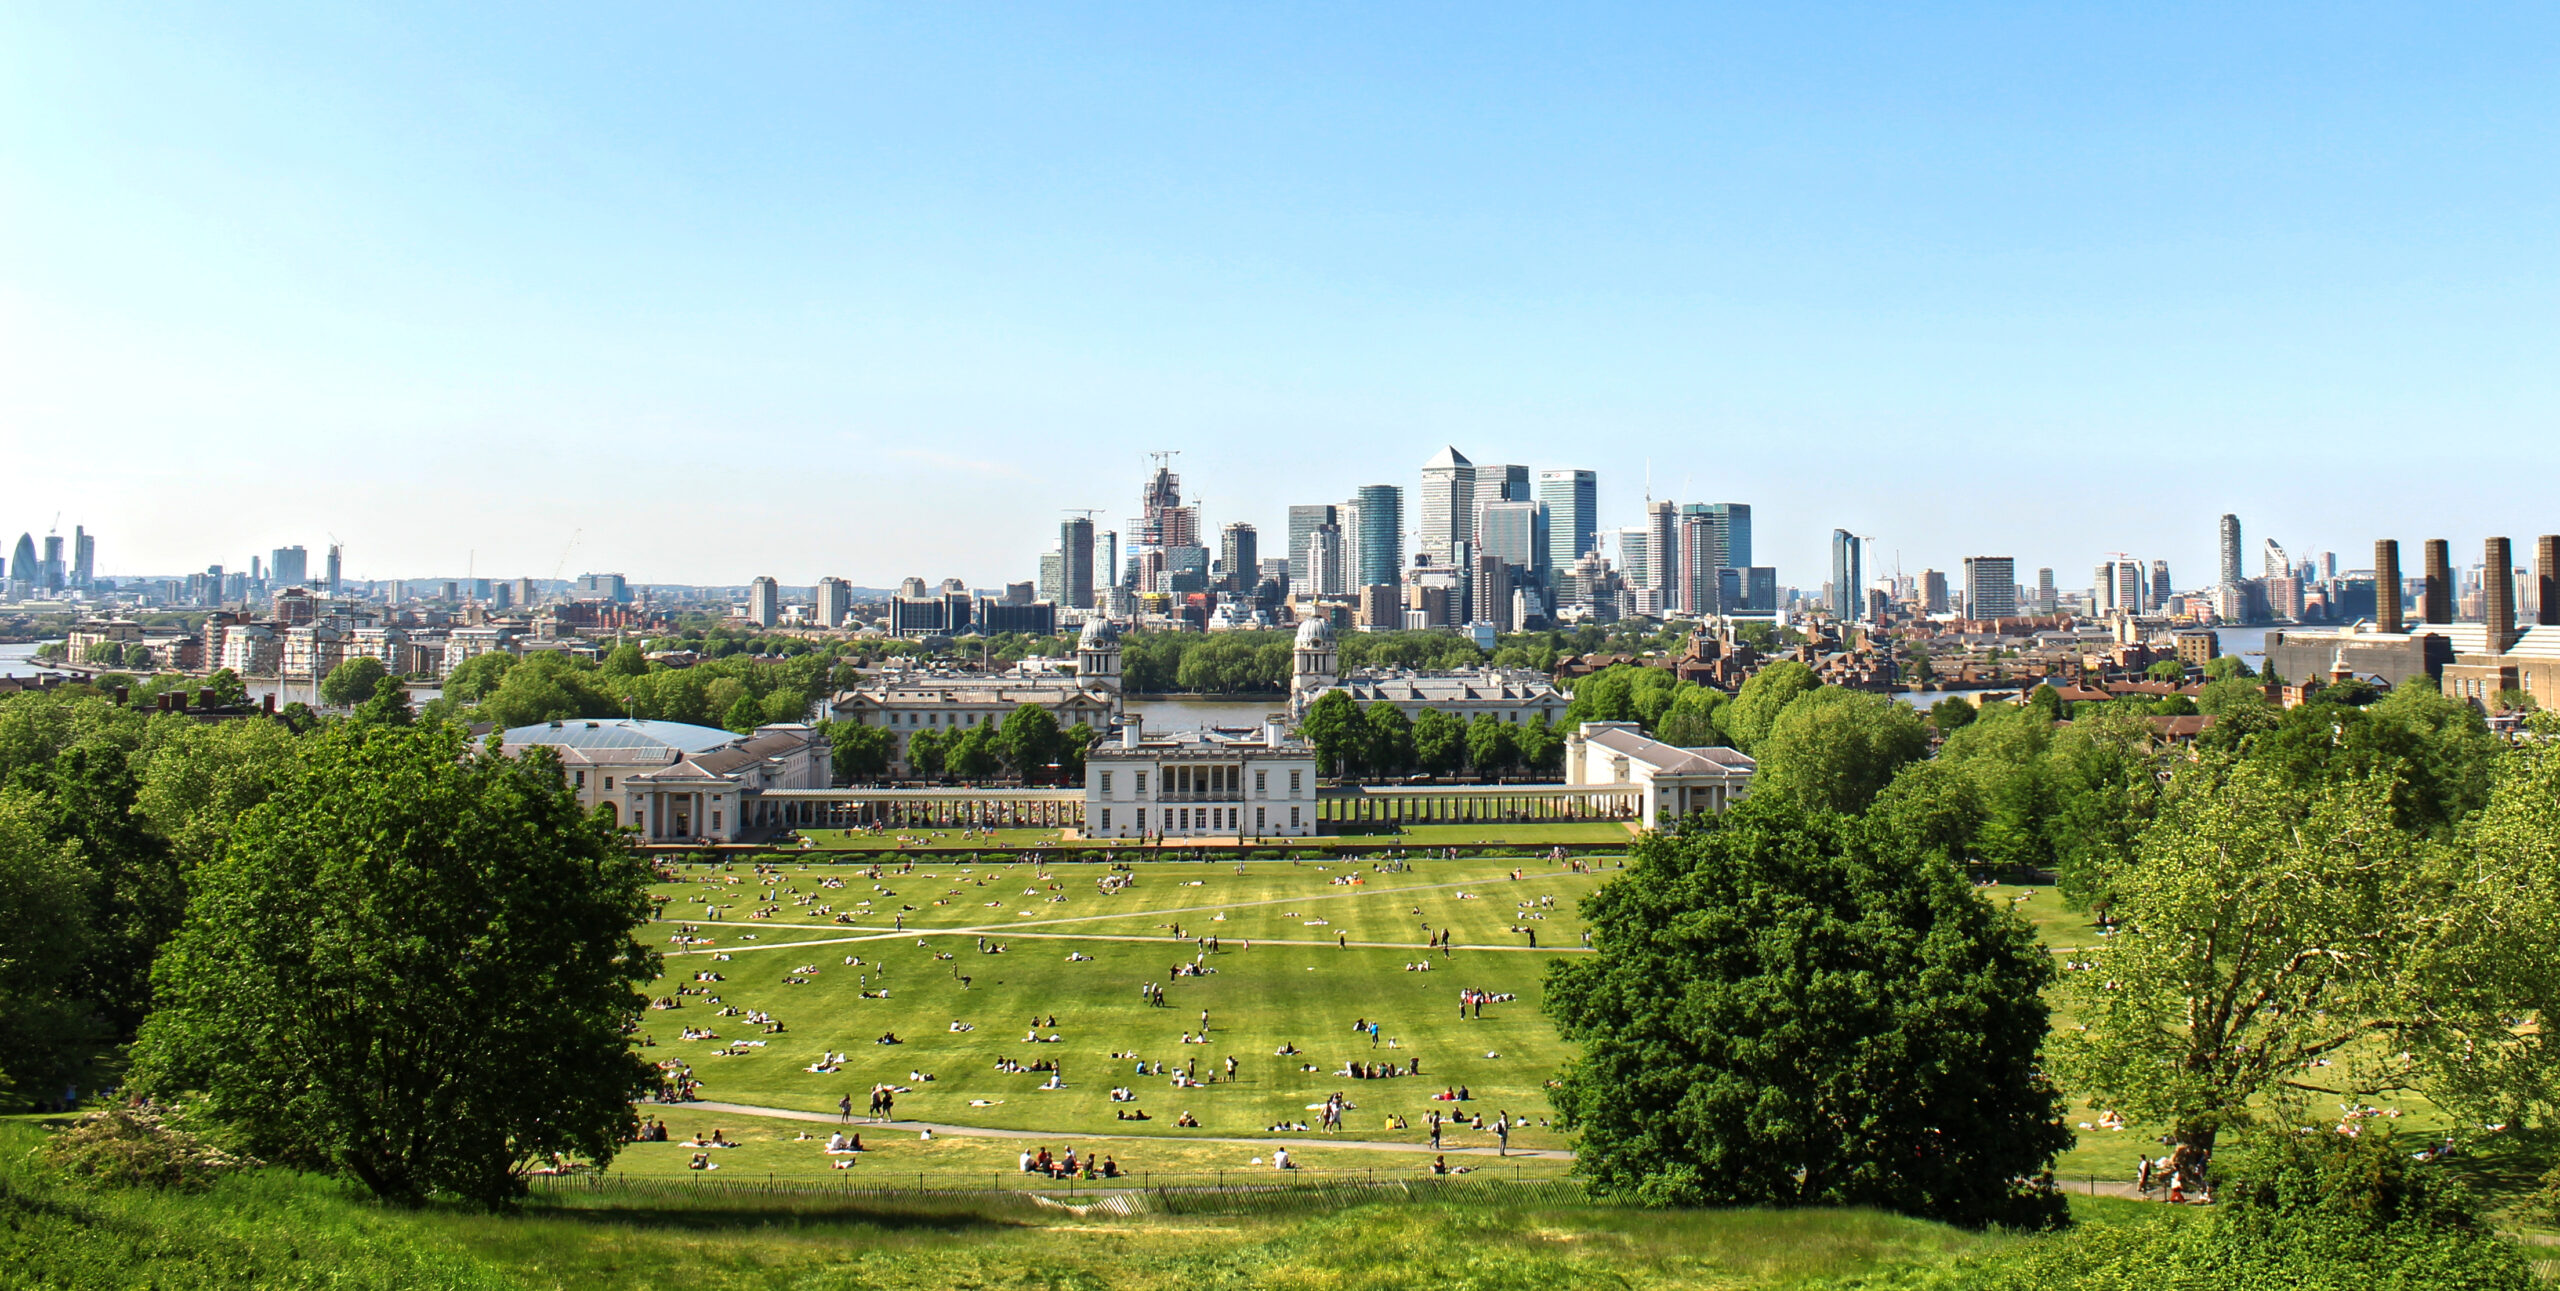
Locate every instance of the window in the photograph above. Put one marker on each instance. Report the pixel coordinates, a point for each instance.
(1261, 785)
(608, 784)
(582, 779)
(1106, 818)
(1258, 821)
(1141, 778)
(1185, 818)
(1293, 787)
(1106, 782)
(715, 820)
(1293, 818)
(1142, 820)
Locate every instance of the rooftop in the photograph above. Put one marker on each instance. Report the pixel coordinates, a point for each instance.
(623, 733)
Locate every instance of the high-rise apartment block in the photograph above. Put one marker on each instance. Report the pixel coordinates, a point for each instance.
(289, 567)
(835, 602)
(764, 602)
(1991, 586)
(1075, 562)
(2230, 550)
(1240, 557)
(1848, 575)
(1378, 534)
(1303, 523)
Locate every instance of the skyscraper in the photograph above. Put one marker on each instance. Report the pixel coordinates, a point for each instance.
(1239, 549)
(84, 556)
(764, 602)
(1503, 484)
(1662, 522)
(1733, 533)
(2230, 550)
(835, 602)
(1303, 523)
(1162, 519)
(1075, 562)
(289, 567)
(1635, 557)
(1572, 499)
(1848, 576)
(1933, 589)
(1990, 587)
(2159, 586)
(54, 573)
(1106, 560)
(1328, 573)
(1701, 565)
(2048, 599)
(337, 573)
(22, 562)
(2278, 565)
(1380, 533)
(1514, 532)
(1448, 505)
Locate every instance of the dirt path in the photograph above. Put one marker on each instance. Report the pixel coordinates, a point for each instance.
(987, 1132)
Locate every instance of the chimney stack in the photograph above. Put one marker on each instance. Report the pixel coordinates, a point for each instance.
(2386, 585)
(2498, 594)
(2436, 603)
(2546, 570)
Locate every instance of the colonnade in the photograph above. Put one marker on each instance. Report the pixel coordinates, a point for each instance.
(1488, 804)
(926, 809)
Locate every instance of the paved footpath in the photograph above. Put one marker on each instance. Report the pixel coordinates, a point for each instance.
(986, 1132)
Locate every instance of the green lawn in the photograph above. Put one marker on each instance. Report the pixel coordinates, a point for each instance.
(1259, 999)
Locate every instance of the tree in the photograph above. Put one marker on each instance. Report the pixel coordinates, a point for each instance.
(927, 752)
(1835, 750)
(228, 690)
(1072, 747)
(48, 1027)
(137, 888)
(109, 653)
(975, 756)
(1439, 742)
(1334, 728)
(745, 715)
(2225, 667)
(2104, 775)
(2285, 941)
(861, 751)
(625, 661)
(389, 705)
(1952, 713)
(352, 682)
(1691, 721)
(2169, 670)
(478, 676)
(1541, 745)
(1769, 690)
(2046, 700)
(1491, 748)
(1030, 740)
(414, 965)
(1388, 746)
(1785, 1009)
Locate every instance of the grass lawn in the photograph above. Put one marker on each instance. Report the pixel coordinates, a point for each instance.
(1487, 833)
(1259, 999)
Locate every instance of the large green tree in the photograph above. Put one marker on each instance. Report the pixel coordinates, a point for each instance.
(2286, 941)
(1836, 749)
(48, 1022)
(352, 682)
(414, 965)
(861, 751)
(1334, 728)
(1755, 709)
(1786, 1008)
(1030, 740)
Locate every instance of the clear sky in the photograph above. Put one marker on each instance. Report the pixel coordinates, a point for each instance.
(719, 291)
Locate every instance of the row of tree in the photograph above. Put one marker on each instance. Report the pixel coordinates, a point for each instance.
(1381, 741)
(1804, 1001)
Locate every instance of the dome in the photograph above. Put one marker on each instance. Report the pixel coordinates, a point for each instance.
(1315, 632)
(1099, 634)
(621, 733)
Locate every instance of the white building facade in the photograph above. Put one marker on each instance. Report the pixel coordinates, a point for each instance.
(1233, 786)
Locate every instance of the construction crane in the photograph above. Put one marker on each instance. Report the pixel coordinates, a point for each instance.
(562, 564)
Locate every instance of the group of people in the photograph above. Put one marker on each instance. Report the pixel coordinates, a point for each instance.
(1068, 1167)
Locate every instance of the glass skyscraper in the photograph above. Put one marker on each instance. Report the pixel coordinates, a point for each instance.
(1381, 535)
(1572, 499)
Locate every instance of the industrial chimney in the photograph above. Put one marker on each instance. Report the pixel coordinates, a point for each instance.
(2386, 585)
(2498, 594)
(2436, 603)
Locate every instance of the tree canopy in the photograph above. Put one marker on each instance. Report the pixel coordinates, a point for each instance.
(414, 965)
(1791, 1007)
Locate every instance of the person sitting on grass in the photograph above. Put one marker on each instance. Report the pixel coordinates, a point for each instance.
(701, 1161)
(1136, 1114)
(1187, 1121)
(1110, 1168)
(889, 1037)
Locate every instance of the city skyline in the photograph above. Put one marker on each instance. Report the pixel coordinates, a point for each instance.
(892, 295)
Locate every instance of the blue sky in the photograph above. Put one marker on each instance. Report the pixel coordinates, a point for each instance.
(878, 291)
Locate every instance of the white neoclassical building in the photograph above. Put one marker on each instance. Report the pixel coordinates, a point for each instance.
(928, 700)
(1672, 782)
(1210, 784)
(1515, 695)
(674, 781)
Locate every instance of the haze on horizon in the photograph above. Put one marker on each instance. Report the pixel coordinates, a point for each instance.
(877, 291)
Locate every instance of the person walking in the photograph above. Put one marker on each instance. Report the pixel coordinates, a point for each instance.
(1435, 1129)
(1502, 1132)
(844, 1110)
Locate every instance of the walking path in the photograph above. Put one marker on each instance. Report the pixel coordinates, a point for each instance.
(1017, 929)
(988, 1132)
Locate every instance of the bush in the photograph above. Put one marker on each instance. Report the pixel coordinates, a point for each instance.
(137, 1146)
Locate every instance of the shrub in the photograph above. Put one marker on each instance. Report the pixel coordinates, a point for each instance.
(137, 1146)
